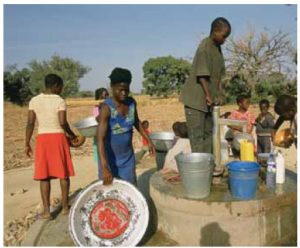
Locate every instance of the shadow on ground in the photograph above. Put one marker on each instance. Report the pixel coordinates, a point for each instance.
(213, 235)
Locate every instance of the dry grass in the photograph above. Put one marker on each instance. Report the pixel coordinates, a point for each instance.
(161, 113)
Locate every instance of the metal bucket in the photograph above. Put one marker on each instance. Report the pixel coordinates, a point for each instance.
(87, 127)
(160, 158)
(162, 141)
(196, 171)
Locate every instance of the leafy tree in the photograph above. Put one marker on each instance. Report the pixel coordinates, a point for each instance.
(254, 56)
(165, 75)
(70, 71)
(234, 88)
(280, 84)
(16, 85)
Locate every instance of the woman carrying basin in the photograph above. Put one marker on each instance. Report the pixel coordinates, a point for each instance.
(118, 115)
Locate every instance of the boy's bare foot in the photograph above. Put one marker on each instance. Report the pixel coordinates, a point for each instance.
(218, 172)
(45, 216)
(66, 211)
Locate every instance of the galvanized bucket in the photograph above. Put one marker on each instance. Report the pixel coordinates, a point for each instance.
(87, 127)
(195, 171)
(162, 141)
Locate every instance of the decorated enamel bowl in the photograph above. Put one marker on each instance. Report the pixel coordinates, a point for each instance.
(109, 215)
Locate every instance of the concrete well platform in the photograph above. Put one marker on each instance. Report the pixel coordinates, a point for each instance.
(220, 220)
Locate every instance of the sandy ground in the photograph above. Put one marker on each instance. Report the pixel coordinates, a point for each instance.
(23, 196)
(21, 192)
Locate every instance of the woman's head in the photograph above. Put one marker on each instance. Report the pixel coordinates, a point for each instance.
(120, 80)
(286, 106)
(243, 101)
(101, 93)
(54, 83)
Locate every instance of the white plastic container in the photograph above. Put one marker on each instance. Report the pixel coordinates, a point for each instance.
(280, 168)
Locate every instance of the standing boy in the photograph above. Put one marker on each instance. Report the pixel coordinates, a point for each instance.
(203, 86)
(264, 127)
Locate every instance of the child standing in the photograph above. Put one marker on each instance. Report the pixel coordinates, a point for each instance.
(118, 115)
(243, 114)
(145, 125)
(264, 127)
(52, 151)
(203, 86)
(100, 94)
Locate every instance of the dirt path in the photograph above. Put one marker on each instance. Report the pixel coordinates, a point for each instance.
(22, 193)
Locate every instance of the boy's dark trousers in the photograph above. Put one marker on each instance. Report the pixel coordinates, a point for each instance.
(200, 127)
(263, 144)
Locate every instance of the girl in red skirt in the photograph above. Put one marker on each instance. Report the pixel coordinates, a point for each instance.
(52, 151)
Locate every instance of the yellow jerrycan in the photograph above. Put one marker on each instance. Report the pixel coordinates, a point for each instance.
(247, 150)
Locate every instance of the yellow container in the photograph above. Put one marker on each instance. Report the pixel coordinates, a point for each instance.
(247, 150)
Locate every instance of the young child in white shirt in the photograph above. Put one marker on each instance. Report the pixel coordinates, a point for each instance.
(182, 144)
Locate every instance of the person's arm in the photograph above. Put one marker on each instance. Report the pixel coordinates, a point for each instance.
(233, 116)
(99, 110)
(251, 121)
(250, 128)
(29, 131)
(221, 96)
(139, 127)
(278, 123)
(101, 135)
(62, 116)
(204, 81)
(259, 118)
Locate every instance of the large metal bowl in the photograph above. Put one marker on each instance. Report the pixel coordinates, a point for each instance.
(87, 127)
(241, 136)
(162, 141)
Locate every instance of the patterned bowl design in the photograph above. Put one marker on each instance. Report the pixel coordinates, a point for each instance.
(110, 215)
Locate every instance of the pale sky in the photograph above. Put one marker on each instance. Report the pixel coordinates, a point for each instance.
(107, 36)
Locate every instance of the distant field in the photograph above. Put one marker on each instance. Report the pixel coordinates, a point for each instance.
(161, 113)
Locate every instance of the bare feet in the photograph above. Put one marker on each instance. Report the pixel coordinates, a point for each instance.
(45, 216)
(218, 172)
(66, 210)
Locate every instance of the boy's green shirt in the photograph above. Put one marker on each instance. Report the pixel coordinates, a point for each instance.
(208, 61)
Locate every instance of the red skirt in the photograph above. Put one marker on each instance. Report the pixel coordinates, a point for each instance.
(52, 157)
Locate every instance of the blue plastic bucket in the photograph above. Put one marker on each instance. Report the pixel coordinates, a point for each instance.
(243, 179)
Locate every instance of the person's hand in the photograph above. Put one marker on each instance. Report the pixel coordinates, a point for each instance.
(107, 177)
(151, 149)
(28, 150)
(273, 132)
(72, 137)
(209, 101)
(259, 117)
(77, 141)
(286, 143)
(220, 101)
